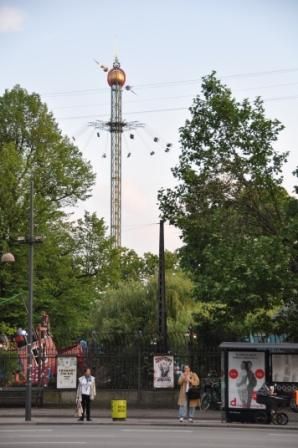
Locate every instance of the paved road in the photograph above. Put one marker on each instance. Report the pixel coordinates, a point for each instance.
(84, 436)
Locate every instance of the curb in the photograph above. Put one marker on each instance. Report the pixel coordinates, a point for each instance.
(157, 424)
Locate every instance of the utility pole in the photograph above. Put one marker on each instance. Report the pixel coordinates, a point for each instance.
(30, 242)
(161, 296)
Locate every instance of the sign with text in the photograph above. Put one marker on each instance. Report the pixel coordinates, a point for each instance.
(246, 376)
(163, 366)
(66, 372)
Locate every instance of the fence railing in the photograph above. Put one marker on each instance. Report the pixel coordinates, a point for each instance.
(131, 368)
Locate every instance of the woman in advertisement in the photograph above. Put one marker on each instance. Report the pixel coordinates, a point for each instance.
(242, 385)
(188, 395)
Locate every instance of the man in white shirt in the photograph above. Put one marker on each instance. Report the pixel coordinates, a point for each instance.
(86, 392)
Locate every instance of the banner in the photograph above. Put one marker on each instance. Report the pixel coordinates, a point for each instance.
(163, 366)
(246, 375)
(284, 368)
(66, 372)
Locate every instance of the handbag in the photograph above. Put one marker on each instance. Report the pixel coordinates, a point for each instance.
(194, 393)
(78, 409)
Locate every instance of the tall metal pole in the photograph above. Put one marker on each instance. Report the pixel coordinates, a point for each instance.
(116, 129)
(30, 306)
(162, 311)
(116, 125)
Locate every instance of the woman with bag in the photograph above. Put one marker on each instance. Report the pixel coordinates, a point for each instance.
(85, 393)
(189, 394)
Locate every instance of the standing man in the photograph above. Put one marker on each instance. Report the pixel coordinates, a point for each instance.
(86, 392)
(187, 380)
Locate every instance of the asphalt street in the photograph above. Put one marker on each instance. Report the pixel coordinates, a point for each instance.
(90, 436)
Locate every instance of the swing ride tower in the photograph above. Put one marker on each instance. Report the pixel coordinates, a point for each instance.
(116, 78)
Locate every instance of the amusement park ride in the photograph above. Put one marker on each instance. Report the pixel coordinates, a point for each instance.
(116, 78)
(44, 354)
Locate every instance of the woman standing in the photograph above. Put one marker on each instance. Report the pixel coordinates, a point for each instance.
(187, 380)
(85, 393)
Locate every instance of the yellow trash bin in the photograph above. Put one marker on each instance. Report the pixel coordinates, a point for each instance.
(119, 409)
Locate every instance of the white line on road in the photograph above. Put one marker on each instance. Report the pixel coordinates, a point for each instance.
(25, 430)
(41, 443)
(158, 430)
(281, 434)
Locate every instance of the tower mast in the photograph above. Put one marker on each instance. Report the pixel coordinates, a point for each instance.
(116, 125)
(116, 80)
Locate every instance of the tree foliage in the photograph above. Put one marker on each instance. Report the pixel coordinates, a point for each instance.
(238, 223)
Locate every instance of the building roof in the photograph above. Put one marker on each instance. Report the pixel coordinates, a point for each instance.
(281, 348)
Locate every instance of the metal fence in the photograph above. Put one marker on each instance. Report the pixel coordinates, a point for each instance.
(117, 361)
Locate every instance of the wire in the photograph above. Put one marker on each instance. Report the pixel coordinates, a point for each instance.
(162, 98)
(170, 109)
(170, 83)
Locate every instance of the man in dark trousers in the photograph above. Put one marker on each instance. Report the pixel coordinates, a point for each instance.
(85, 393)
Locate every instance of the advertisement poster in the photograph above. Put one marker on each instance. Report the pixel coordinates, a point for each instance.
(246, 376)
(284, 368)
(66, 372)
(163, 366)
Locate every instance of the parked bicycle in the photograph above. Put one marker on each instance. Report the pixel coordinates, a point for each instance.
(211, 397)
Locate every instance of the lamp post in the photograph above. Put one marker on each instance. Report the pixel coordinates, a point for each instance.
(30, 241)
(192, 337)
(9, 258)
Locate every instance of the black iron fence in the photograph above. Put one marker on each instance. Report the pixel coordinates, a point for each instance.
(117, 361)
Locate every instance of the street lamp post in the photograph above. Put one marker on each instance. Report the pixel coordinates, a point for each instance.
(30, 241)
(9, 258)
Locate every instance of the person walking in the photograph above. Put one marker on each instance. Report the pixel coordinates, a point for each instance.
(188, 380)
(85, 393)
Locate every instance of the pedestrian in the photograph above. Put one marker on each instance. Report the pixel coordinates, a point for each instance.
(86, 392)
(187, 401)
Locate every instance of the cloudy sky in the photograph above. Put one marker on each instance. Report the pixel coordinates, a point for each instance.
(165, 47)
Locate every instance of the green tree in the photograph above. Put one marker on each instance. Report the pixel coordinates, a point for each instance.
(132, 308)
(32, 145)
(232, 209)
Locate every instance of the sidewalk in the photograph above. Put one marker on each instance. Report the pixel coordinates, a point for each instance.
(136, 417)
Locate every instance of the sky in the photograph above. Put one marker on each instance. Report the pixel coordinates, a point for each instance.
(165, 47)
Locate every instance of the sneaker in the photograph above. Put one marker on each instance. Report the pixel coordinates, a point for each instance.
(81, 419)
(190, 420)
(181, 419)
(89, 419)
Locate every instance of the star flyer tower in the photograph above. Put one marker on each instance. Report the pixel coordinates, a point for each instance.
(116, 125)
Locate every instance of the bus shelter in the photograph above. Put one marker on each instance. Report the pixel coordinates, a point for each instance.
(246, 367)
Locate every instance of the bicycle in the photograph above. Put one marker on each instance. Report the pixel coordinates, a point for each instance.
(211, 398)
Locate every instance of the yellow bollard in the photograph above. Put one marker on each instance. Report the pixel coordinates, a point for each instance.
(119, 409)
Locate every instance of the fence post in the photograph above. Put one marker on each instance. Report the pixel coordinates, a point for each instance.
(139, 393)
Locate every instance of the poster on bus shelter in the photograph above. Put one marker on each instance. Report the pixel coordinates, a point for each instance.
(246, 375)
(66, 372)
(163, 366)
(284, 368)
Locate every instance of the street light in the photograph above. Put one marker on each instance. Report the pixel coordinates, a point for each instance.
(9, 258)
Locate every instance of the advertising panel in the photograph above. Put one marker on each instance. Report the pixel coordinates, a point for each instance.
(246, 375)
(163, 366)
(66, 372)
(284, 368)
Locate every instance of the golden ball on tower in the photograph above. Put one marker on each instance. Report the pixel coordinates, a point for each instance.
(116, 77)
